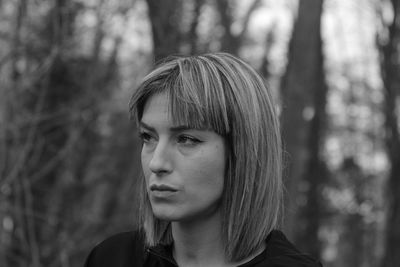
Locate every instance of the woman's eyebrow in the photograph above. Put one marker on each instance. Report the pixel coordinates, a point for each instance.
(180, 128)
(145, 126)
(174, 129)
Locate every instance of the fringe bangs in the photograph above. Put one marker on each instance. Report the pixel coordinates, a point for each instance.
(196, 98)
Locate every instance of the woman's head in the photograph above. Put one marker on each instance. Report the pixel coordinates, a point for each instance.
(184, 167)
(221, 94)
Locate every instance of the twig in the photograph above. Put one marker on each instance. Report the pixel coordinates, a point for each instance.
(34, 248)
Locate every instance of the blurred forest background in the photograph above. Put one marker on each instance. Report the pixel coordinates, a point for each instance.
(69, 154)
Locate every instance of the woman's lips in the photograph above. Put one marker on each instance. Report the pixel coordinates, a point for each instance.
(162, 187)
(162, 191)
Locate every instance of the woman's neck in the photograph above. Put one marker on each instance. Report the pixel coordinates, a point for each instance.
(199, 243)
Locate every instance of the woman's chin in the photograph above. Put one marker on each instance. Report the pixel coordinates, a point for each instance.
(165, 215)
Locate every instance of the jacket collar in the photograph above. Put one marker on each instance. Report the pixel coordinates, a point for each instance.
(164, 252)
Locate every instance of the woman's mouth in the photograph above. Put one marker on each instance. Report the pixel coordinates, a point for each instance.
(162, 187)
(162, 191)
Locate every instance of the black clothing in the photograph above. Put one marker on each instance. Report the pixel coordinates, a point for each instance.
(127, 250)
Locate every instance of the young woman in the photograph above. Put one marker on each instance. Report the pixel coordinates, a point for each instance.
(211, 159)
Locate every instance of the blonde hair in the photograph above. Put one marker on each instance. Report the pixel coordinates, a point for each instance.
(221, 92)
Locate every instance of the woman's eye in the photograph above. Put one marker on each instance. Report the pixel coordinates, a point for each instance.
(187, 140)
(146, 137)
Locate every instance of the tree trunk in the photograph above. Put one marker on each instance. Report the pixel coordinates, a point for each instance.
(230, 42)
(316, 171)
(192, 34)
(12, 159)
(165, 17)
(303, 95)
(391, 81)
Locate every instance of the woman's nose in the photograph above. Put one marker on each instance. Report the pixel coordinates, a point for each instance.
(160, 159)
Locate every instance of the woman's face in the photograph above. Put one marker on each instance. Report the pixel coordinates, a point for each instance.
(184, 168)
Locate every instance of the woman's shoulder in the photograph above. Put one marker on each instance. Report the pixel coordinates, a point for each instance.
(122, 249)
(281, 252)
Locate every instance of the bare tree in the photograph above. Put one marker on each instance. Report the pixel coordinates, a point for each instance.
(231, 42)
(390, 74)
(165, 18)
(304, 98)
(192, 34)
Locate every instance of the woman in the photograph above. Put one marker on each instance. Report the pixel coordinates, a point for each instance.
(211, 159)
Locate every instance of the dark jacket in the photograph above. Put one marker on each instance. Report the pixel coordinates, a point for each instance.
(128, 250)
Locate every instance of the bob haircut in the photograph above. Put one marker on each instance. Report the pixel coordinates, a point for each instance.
(220, 92)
